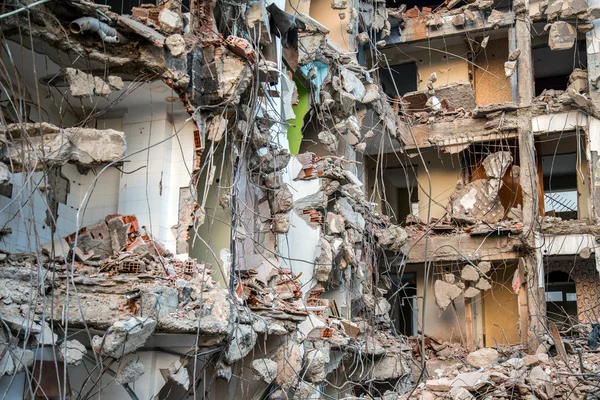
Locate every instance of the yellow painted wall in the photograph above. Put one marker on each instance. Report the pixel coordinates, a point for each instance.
(293, 6)
(501, 309)
(444, 170)
(321, 11)
(446, 63)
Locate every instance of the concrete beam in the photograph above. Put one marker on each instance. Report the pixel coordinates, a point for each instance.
(416, 29)
(457, 247)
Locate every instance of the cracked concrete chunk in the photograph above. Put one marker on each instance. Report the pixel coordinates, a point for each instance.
(115, 82)
(95, 146)
(289, 362)
(281, 223)
(449, 278)
(352, 84)
(264, 369)
(509, 68)
(80, 83)
(170, 21)
(484, 267)
(216, 315)
(578, 81)
(180, 374)
(339, 4)
(483, 284)
(445, 293)
(496, 164)
(14, 359)
(316, 360)
(477, 201)
(496, 18)
(72, 352)
(392, 366)
(130, 372)
(469, 273)
(392, 238)
(323, 263)
(329, 141)
(351, 217)
(483, 358)
(124, 337)
(176, 44)
(363, 38)
(458, 20)
(101, 88)
(335, 223)
(242, 342)
(471, 292)
(283, 200)
(460, 393)
(562, 36)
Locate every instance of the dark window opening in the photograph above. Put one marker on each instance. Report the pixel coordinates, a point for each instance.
(403, 299)
(561, 298)
(399, 80)
(401, 194)
(552, 68)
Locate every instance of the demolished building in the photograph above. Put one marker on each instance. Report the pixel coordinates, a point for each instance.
(294, 200)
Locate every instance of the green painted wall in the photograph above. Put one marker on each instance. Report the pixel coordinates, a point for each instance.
(294, 132)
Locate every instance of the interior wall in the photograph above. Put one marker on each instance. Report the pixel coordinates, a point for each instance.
(321, 11)
(491, 86)
(501, 309)
(215, 232)
(449, 64)
(444, 325)
(443, 169)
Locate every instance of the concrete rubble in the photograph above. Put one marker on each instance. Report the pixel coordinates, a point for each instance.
(282, 130)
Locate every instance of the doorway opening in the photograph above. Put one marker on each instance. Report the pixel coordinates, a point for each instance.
(561, 298)
(403, 298)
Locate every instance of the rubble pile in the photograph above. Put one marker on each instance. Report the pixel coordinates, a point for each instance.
(508, 373)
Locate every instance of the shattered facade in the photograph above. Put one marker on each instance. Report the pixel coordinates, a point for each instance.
(272, 200)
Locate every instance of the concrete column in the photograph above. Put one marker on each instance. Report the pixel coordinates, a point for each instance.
(533, 323)
(593, 61)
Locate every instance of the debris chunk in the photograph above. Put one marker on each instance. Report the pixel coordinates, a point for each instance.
(562, 36)
(72, 352)
(509, 68)
(264, 369)
(180, 374)
(242, 342)
(124, 337)
(170, 21)
(176, 44)
(130, 372)
(80, 83)
(445, 293)
(115, 82)
(483, 357)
